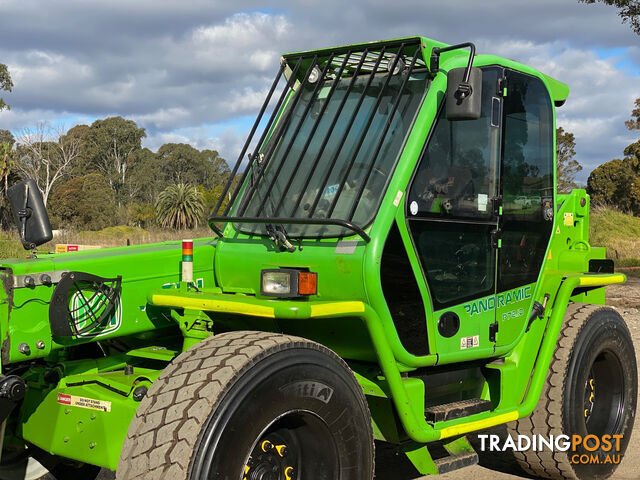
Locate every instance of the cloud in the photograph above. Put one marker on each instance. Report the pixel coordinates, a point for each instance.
(188, 71)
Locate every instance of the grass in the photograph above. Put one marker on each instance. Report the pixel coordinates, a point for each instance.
(117, 236)
(10, 246)
(619, 232)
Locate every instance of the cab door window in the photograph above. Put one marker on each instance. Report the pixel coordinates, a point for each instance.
(527, 180)
(456, 177)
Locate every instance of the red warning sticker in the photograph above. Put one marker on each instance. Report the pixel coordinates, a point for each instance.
(84, 402)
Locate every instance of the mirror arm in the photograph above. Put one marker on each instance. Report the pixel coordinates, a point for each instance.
(24, 213)
(464, 87)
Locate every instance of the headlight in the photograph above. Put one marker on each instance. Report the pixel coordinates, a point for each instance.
(288, 282)
(276, 282)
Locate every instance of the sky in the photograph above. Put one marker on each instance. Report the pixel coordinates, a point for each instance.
(197, 71)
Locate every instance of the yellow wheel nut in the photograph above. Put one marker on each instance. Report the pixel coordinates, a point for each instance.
(281, 449)
(266, 446)
(288, 473)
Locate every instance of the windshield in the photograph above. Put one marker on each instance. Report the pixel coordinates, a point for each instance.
(333, 152)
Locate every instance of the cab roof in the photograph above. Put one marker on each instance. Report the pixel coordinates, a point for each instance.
(558, 91)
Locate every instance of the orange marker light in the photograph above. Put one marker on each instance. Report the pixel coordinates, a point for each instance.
(307, 283)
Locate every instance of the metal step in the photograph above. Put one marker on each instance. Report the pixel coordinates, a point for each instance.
(455, 462)
(463, 408)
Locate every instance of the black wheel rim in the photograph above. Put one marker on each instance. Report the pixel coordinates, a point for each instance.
(603, 403)
(296, 445)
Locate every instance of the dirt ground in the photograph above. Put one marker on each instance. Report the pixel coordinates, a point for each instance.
(390, 466)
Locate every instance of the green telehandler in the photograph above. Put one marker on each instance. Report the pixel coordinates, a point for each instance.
(390, 261)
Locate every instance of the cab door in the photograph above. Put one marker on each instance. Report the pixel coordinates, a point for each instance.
(527, 193)
(452, 218)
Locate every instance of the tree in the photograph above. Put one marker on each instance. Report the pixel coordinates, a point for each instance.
(179, 206)
(111, 147)
(181, 163)
(618, 182)
(140, 214)
(6, 162)
(610, 184)
(628, 10)
(84, 202)
(633, 151)
(145, 180)
(7, 137)
(81, 166)
(6, 158)
(6, 153)
(210, 197)
(7, 171)
(634, 123)
(5, 84)
(218, 167)
(46, 155)
(567, 166)
(5, 166)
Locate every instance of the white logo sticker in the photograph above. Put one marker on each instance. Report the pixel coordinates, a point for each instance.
(413, 208)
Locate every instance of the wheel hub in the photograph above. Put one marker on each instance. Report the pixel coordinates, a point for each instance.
(270, 460)
(603, 401)
(589, 396)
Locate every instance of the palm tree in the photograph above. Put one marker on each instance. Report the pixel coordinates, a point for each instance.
(179, 206)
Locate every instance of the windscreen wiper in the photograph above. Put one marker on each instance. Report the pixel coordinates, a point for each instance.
(278, 236)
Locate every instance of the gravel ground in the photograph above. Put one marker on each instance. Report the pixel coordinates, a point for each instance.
(390, 466)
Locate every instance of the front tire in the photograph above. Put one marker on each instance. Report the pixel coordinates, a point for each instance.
(252, 405)
(591, 389)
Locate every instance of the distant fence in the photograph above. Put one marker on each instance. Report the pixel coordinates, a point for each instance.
(64, 247)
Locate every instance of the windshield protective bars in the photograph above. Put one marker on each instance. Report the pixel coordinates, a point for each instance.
(259, 190)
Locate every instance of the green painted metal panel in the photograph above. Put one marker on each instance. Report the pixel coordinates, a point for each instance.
(86, 416)
(142, 268)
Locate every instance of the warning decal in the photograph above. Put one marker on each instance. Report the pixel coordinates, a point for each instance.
(469, 342)
(84, 402)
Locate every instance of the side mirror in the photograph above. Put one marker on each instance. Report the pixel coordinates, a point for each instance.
(30, 214)
(464, 98)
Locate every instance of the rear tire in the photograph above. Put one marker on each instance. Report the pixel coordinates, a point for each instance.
(225, 408)
(591, 388)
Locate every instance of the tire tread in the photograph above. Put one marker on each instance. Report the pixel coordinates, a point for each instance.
(547, 417)
(164, 433)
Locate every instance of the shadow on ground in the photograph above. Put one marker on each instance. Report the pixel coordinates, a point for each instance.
(394, 465)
